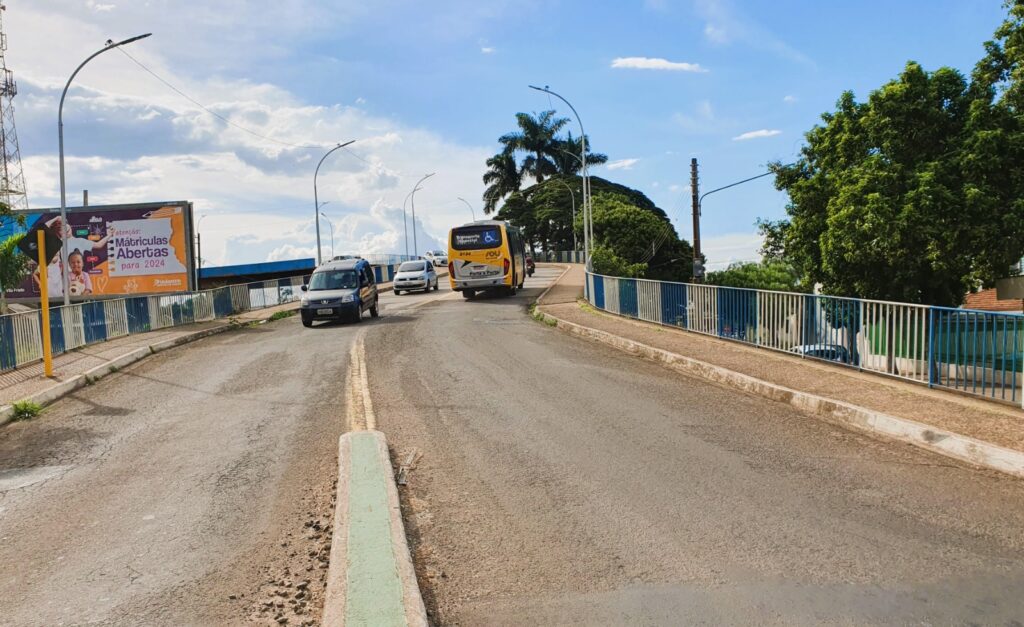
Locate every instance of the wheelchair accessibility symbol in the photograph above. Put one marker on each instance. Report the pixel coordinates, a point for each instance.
(489, 238)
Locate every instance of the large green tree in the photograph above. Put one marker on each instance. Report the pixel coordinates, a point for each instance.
(887, 199)
(638, 238)
(762, 275)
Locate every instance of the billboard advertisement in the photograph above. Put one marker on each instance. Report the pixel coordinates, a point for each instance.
(114, 250)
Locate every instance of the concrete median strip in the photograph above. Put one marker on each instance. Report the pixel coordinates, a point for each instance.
(371, 579)
(870, 422)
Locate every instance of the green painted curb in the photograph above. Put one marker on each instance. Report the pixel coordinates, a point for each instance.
(374, 588)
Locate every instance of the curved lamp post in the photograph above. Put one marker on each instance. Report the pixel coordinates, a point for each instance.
(468, 205)
(588, 227)
(405, 218)
(412, 204)
(316, 202)
(60, 144)
(331, 225)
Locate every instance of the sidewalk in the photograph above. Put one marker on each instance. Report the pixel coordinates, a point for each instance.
(982, 420)
(29, 380)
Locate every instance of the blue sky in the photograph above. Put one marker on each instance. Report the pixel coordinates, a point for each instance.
(429, 87)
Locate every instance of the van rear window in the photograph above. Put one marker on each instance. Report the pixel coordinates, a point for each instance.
(476, 237)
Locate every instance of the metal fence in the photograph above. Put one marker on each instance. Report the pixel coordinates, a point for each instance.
(81, 324)
(559, 256)
(976, 352)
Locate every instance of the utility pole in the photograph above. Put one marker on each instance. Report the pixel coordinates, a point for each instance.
(698, 264)
(12, 179)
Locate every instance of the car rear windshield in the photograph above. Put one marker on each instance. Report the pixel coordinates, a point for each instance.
(411, 266)
(334, 280)
(476, 237)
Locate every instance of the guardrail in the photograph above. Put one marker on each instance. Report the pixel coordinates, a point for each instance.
(975, 352)
(81, 324)
(559, 256)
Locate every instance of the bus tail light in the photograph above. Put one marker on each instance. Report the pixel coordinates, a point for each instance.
(451, 268)
(506, 265)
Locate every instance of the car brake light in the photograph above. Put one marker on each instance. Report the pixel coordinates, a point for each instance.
(506, 265)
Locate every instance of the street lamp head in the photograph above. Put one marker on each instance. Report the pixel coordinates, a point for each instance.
(349, 142)
(111, 44)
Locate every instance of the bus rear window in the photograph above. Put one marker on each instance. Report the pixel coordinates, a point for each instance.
(476, 238)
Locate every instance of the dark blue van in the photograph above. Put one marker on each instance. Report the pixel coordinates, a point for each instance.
(339, 290)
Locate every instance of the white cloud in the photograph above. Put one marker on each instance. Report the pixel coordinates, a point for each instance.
(764, 132)
(702, 120)
(648, 63)
(621, 164)
(725, 25)
(101, 8)
(722, 250)
(790, 99)
(487, 50)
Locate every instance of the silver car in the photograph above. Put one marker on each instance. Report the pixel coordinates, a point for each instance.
(415, 275)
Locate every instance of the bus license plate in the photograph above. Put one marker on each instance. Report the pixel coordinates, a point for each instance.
(324, 312)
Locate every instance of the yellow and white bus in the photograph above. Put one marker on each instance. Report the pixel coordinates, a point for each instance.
(486, 255)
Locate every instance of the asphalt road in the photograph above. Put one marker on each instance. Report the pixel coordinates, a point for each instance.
(562, 482)
(194, 488)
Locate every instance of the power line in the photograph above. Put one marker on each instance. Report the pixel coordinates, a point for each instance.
(249, 130)
(211, 111)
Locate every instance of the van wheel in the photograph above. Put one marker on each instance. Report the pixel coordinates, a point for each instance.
(468, 294)
(437, 286)
(374, 313)
(306, 322)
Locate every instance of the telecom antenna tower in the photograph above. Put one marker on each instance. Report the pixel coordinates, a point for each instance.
(12, 178)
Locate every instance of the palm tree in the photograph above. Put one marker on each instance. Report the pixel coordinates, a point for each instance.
(537, 137)
(502, 178)
(567, 156)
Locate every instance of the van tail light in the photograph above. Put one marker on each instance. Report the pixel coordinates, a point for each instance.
(451, 268)
(506, 265)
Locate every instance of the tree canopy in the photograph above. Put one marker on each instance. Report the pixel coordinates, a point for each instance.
(763, 275)
(917, 193)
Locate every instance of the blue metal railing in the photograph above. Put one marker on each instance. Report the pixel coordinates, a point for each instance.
(974, 352)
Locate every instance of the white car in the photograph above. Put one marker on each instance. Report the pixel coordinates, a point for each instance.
(415, 275)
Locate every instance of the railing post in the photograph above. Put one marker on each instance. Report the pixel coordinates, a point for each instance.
(931, 346)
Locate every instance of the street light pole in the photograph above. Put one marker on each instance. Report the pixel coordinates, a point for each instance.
(199, 251)
(699, 200)
(60, 146)
(588, 233)
(412, 204)
(470, 207)
(405, 219)
(331, 225)
(316, 202)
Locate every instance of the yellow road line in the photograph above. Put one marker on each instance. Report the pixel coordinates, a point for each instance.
(359, 406)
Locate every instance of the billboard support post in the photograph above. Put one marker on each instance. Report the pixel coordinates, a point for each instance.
(44, 302)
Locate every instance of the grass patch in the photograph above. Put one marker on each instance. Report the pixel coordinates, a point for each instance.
(25, 410)
(539, 316)
(585, 306)
(281, 315)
